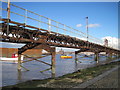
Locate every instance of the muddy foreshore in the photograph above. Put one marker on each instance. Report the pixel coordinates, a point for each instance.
(66, 81)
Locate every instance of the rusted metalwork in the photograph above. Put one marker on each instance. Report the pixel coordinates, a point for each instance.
(36, 59)
(87, 27)
(21, 35)
(96, 58)
(26, 47)
(46, 39)
(53, 61)
(19, 61)
(49, 22)
(23, 67)
(8, 16)
(45, 70)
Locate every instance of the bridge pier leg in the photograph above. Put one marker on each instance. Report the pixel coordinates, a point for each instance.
(19, 61)
(96, 58)
(53, 59)
(76, 53)
(118, 55)
(19, 75)
(115, 55)
(110, 56)
(76, 59)
(106, 55)
(51, 50)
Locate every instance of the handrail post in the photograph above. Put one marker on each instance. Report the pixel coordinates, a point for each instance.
(57, 27)
(8, 16)
(39, 24)
(49, 23)
(25, 16)
(87, 26)
(64, 27)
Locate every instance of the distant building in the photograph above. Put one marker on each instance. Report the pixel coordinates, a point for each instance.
(61, 51)
(106, 42)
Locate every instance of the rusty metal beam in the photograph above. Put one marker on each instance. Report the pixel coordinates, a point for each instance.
(81, 50)
(19, 61)
(33, 58)
(23, 40)
(26, 47)
(51, 39)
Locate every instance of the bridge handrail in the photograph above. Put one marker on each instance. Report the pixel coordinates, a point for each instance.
(76, 32)
(32, 27)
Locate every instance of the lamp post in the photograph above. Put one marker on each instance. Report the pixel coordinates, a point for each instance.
(87, 27)
(112, 43)
(8, 10)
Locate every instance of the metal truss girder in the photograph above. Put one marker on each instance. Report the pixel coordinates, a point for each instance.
(52, 38)
(26, 47)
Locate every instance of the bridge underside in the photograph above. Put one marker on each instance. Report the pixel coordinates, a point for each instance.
(43, 39)
(51, 51)
(21, 33)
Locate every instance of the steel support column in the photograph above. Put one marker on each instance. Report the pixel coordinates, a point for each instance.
(96, 57)
(118, 55)
(76, 59)
(51, 50)
(110, 56)
(106, 55)
(76, 53)
(19, 61)
(53, 62)
(19, 75)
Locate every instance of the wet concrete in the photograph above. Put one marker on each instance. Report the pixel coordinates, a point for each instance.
(11, 76)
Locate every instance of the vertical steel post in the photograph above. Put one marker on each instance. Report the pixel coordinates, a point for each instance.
(64, 29)
(57, 27)
(8, 10)
(19, 75)
(39, 24)
(19, 61)
(49, 23)
(118, 55)
(76, 60)
(87, 27)
(8, 16)
(110, 56)
(106, 55)
(115, 55)
(53, 62)
(25, 16)
(96, 57)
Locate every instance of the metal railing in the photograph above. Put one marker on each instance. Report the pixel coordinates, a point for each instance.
(28, 17)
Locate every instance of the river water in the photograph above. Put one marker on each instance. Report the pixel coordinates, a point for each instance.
(11, 76)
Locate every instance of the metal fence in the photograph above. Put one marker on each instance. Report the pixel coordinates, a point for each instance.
(28, 17)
